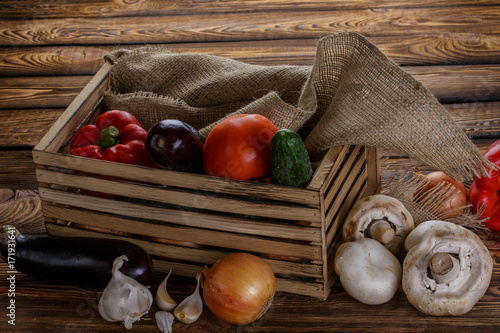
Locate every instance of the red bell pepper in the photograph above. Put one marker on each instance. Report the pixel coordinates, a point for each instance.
(484, 192)
(116, 136)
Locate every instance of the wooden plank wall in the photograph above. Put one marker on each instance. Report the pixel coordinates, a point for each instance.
(50, 50)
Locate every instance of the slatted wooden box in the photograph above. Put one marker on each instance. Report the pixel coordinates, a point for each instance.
(203, 218)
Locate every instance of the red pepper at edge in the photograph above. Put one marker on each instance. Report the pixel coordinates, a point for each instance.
(116, 136)
(485, 191)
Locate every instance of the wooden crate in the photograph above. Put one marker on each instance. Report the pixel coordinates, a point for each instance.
(204, 218)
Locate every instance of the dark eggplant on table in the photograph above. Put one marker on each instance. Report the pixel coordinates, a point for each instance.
(80, 261)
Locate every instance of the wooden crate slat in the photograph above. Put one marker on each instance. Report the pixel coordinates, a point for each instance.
(344, 190)
(341, 160)
(202, 256)
(182, 217)
(190, 270)
(331, 274)
(338, 214)
(178, 268)
(344, 187)
(282, 285)
(181, 198)
(178, 233)
(201, 183)
(373, 169)
(332, 160)
(298, 287)
(353, 165)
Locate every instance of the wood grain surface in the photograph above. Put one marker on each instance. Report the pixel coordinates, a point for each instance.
(49, 50)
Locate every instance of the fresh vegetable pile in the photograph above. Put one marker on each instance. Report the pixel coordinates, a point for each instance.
(445, 268)
(238, 289)
(240, 147)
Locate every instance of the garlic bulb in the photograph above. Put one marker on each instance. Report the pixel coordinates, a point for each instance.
(163, 299)
(164, 321)
(190, 308)
(124, 299)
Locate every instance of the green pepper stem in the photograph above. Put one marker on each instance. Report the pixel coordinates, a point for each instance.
(109, 137)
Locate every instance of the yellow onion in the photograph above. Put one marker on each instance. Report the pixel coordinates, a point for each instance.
(239, 288)
(450, 205)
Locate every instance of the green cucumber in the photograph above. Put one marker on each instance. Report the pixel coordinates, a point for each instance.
(290, 163)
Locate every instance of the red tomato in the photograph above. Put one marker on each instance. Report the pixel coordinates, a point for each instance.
(239, 147)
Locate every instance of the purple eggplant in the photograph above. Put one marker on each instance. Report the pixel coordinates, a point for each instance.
(175, 145)
(80, 261)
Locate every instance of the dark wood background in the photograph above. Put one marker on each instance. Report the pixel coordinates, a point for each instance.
(50, 49)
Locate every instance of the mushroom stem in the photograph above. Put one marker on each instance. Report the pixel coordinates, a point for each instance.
(444, 267)
(381, 230)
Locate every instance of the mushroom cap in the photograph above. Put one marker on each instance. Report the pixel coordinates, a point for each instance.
(417, 234)
(368, 271)
(378, 207)
(461, 294)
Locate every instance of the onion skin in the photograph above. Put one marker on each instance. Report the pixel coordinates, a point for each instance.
(239, 288)
(451, 207)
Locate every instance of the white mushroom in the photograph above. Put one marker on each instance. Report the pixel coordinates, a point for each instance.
(417, 234)
(447, 271)
(380, 217)
(368, 271)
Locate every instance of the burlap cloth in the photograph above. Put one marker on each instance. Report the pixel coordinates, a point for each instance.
(352, 95)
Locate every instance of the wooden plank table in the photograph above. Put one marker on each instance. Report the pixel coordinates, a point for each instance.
(50, 50)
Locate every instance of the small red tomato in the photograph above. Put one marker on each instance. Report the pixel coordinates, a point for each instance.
(239, 147)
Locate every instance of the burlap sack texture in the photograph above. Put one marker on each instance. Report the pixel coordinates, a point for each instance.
(406, 187)
(353, 94)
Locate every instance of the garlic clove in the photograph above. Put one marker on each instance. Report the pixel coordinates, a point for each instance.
(163, 299)
(190, 308)
(124, 299)
(164, 321)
